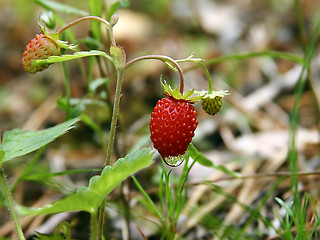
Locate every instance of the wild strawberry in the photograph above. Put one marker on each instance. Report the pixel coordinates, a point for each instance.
(212, 102)
(172, 126)
(40, 47)
(211, 105)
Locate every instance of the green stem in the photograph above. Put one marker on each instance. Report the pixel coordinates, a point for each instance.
(115, 113)
(94, 226)
(101, 218)
(109, 26)
(300, 21)
(114, 119)
(272, 54)
(10, 202)
(29, 167)
(82, 19)
(149, 200)
(164, 59)
(68, 92)
(208, 77)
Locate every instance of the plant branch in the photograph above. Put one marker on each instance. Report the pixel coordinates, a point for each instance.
(115, 112)
(10, 202)
(164, 59)
(94, 226)
(109, 26)
(208, 77)
(83, 19)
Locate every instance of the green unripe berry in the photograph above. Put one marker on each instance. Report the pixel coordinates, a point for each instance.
(211, 105)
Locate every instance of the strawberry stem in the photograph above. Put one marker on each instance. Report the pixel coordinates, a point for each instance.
(164, 59)
(208, 77)
(8, 197)
(109, 26)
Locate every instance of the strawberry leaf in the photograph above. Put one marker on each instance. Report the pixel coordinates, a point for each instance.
(18, 143)
(89, 198)
(67, 57)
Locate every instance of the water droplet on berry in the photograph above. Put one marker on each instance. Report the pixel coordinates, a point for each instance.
(174, 161)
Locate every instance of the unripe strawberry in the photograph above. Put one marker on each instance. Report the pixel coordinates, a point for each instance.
(172, 126)
(211, 105)
(40, 47)
(212, 102)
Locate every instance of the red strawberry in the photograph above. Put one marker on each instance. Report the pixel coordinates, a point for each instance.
(172, 126)
(40, 47)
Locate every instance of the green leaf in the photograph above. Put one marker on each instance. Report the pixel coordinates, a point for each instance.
(18, 143)
(200, 158)
(171, 66)
(89, 198)
(55, 236)
(91, 43)
(115, 6)
(95, 7)
(95, 84)
(2, 153)
(67, 57)
(60, 7)
(118, 55)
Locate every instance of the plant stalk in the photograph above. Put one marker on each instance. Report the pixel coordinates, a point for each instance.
(163, 59)
(10, 202)
(109, 26)
(94, 226)
(61, 30)
(115, 113)
(101, 218)
(208, 77)
(114, 119)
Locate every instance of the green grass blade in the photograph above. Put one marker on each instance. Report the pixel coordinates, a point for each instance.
(95, 7)
(149, 200)
(256, 211)
(294, 120)
(200, 158)
(56, 6)
(60, 7)
(242, 56)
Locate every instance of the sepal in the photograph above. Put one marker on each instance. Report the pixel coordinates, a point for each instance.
(175, 93)
(206, 94)
(55, 37)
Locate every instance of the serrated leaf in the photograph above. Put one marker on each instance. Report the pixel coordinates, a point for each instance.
(200, 158)
(67, 57)
(89, 198)
(60, 7)
(18, 143)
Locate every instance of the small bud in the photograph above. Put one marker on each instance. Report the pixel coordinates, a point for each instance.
(114, 19)
(48, 19)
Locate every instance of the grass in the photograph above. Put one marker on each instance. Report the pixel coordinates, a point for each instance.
(240, 196)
